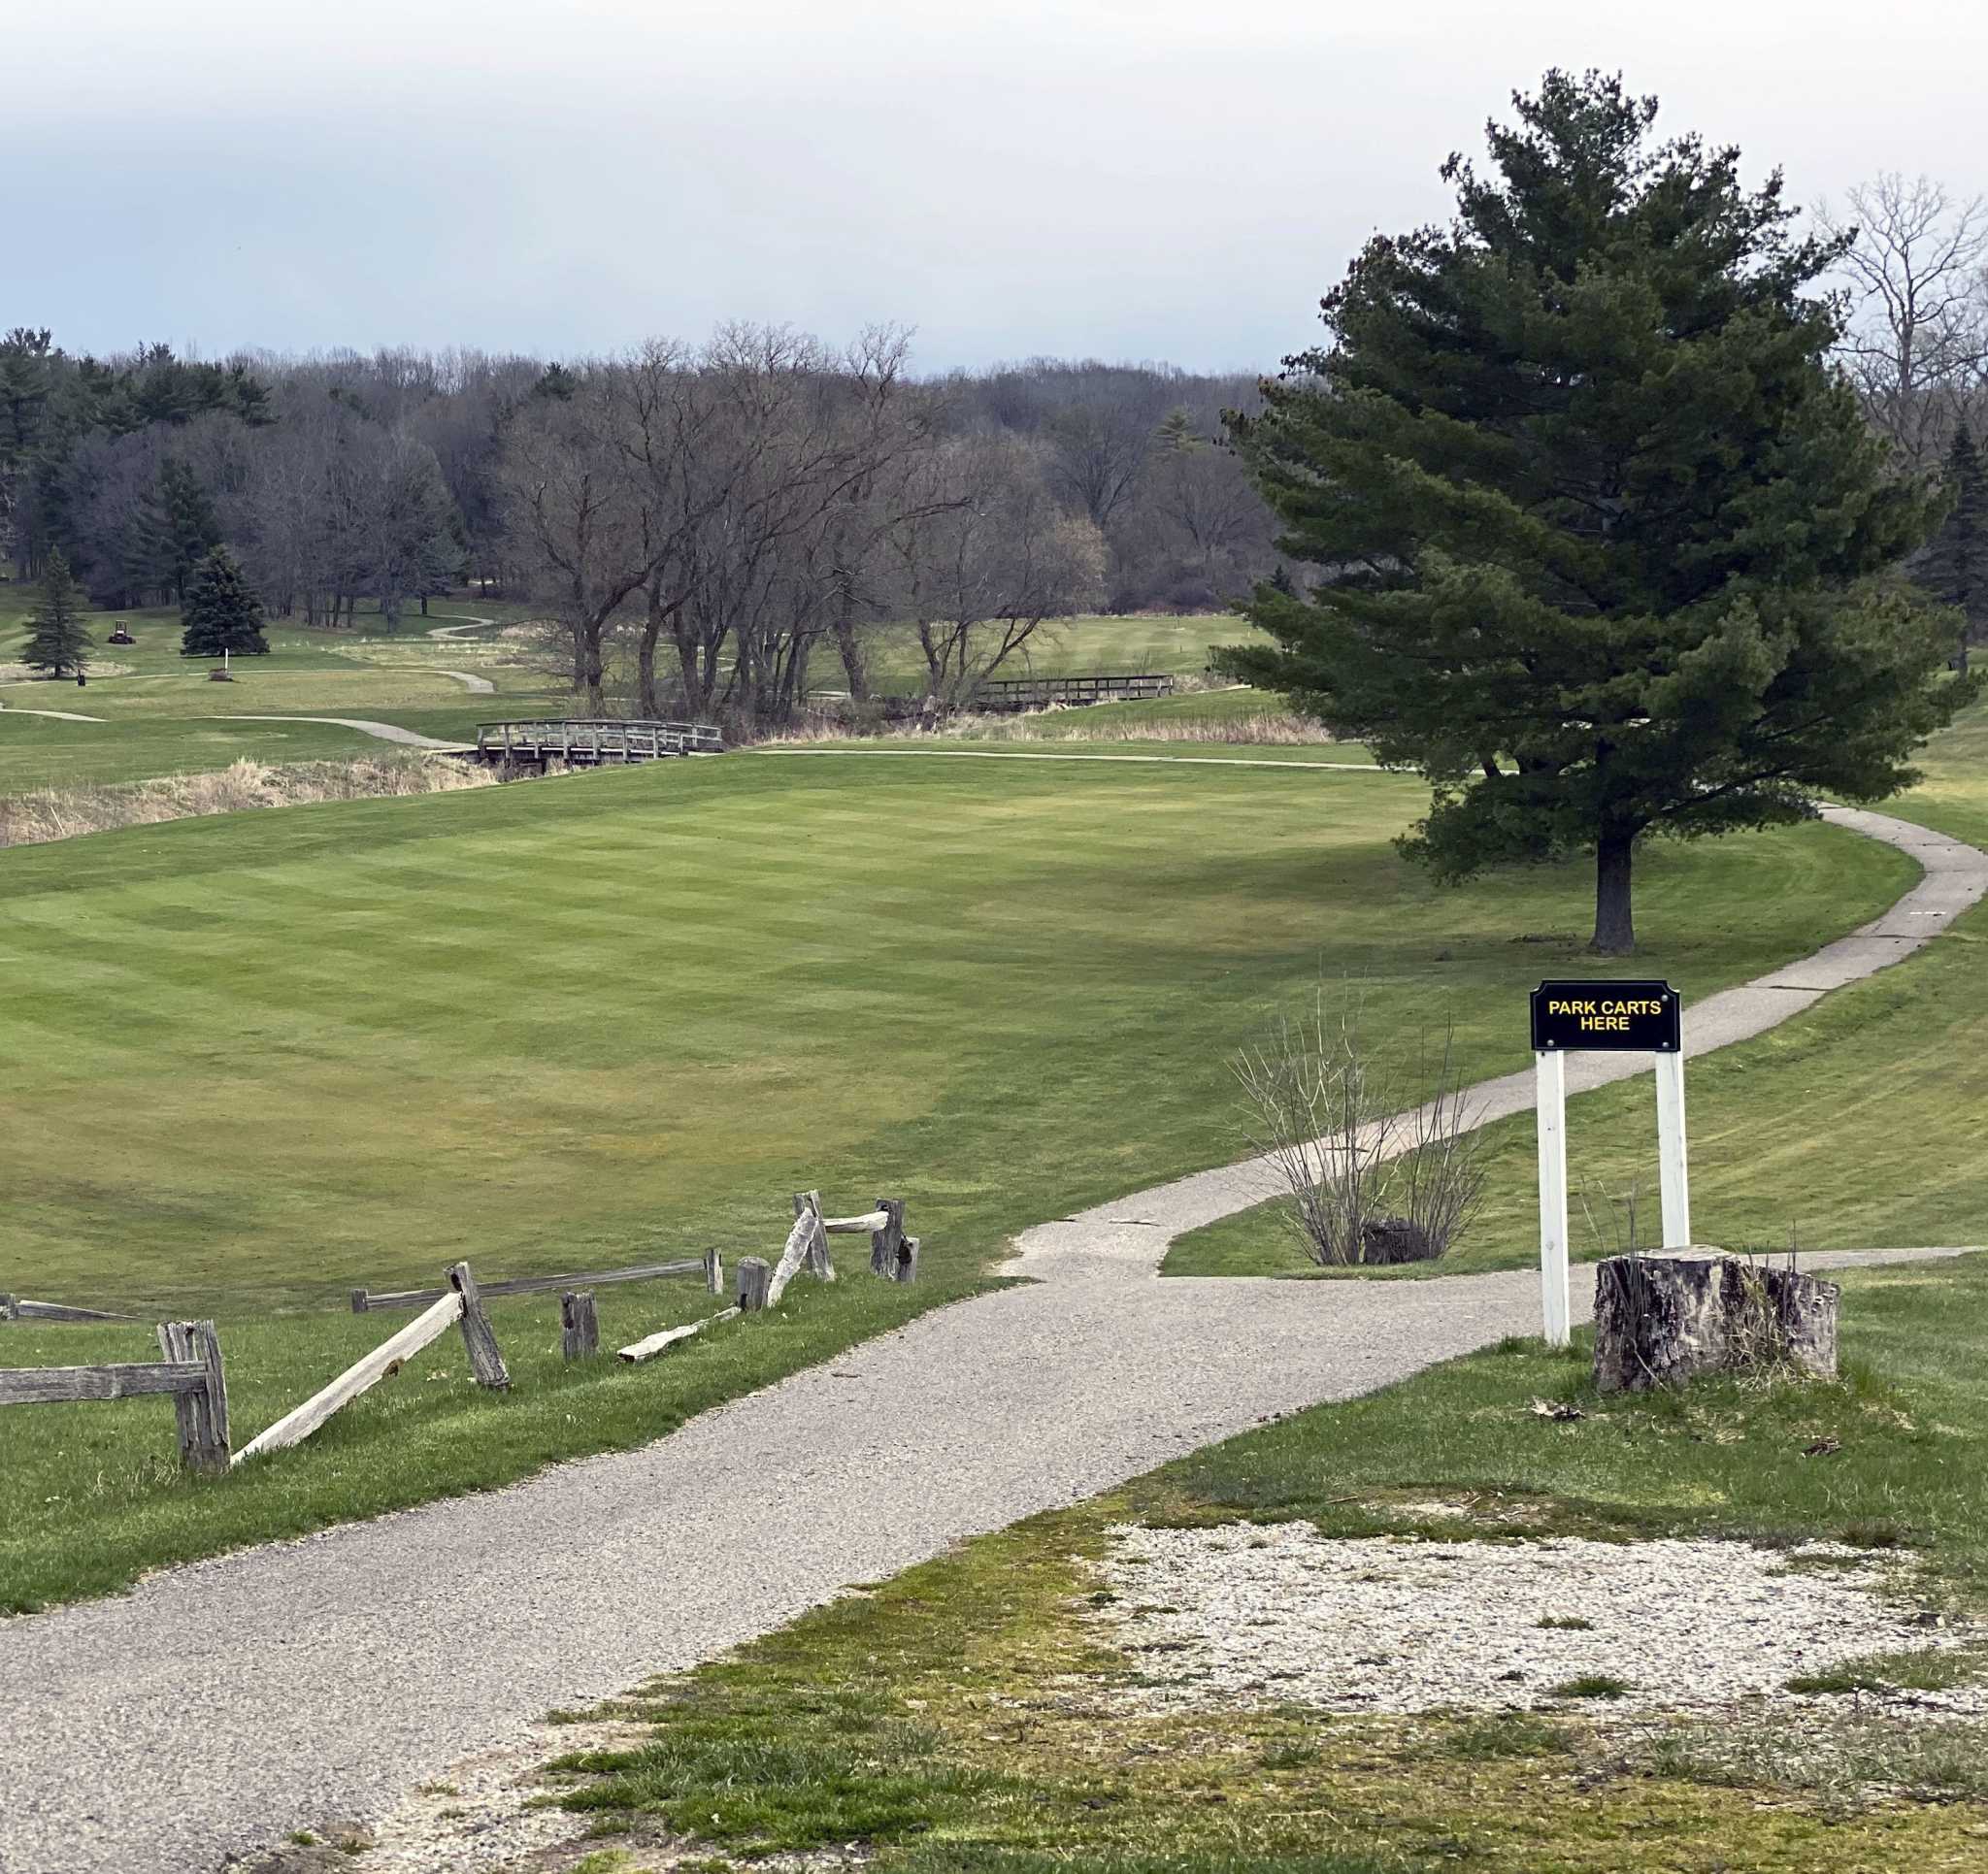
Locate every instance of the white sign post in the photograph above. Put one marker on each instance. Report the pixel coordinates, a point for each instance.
(1607, 1017)
(1673, 1171)
(1554, 1307)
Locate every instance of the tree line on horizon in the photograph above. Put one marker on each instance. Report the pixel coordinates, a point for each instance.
(385, 479)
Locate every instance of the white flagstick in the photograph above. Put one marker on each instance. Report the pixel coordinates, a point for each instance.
(1673, 1169)
(1552, 1110)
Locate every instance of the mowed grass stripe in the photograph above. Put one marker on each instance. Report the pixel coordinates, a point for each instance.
(1064, 963)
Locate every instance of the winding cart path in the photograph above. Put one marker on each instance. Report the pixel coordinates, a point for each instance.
(365, 725)
(222, 1705)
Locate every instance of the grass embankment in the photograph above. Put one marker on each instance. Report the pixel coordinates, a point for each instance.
(244, 786)
(975, 1714)
(256, 1061)
(1854, 1123)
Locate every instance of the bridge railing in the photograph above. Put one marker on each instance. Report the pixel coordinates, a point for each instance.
(595, 738)
(1023, 692)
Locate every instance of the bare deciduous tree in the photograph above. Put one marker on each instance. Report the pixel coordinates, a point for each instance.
(1918, 338)
(983, 557)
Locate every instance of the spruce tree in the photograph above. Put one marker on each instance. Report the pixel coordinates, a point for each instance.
(57, 644)
(1606, 546)
(1954, 567)
(222, 613)
(175, 529)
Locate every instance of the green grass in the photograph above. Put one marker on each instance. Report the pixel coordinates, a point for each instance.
(255, 1062)
(1854, 1123)
(1718, 1459)
(973, 1715)
(161, 716)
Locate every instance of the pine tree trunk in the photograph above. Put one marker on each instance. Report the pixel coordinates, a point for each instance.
(1614, 921)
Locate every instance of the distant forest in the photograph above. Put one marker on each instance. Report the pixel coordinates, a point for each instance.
(704, 520)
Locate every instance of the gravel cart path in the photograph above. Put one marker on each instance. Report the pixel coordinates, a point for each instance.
(384, 731)
(222, 1705)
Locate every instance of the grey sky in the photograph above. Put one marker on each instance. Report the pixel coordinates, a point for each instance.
(1155, 180)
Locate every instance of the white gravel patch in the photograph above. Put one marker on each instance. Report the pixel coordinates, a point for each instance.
(1281, 1614)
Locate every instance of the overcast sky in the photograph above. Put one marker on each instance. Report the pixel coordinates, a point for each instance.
(1176, 178)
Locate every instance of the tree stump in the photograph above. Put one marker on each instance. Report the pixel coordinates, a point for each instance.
(1661, 1320)
(1386, 1241)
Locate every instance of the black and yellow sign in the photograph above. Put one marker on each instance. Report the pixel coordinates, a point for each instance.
(1625, 1017)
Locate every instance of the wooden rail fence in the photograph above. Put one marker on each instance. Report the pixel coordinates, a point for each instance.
(18, 1307)
(190, 1375)
(365, 1301)
(460, 1302)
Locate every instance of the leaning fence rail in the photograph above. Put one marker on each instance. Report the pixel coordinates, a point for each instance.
(462, 1302)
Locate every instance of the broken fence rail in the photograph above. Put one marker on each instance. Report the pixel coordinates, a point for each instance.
(760, 1284)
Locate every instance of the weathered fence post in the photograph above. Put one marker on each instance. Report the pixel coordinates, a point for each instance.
(202, 1416)
(808, 1203)
(10, 1309)
(486, 1363)
(713, 1271)
(359, 1299)
(907, 1270)
(883, 1243)
(582, 1328)
(754, 1276)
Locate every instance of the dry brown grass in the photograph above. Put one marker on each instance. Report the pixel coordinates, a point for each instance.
(1268, 729)
(69, 812)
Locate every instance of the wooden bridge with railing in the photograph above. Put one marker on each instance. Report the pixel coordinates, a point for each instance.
(588, 741)
(1007, 693)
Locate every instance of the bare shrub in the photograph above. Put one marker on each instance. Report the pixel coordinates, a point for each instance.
(1364, 1180)
(66, 813)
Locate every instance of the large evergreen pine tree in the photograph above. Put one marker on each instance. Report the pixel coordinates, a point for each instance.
(1604, 541)
(222, 613)
(1954, 567)
(57, 643)
(175, 530)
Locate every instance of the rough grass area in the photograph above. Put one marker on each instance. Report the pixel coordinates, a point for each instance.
(161, 716)
(969, 1715)
(256, 1061)
(244, 786)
